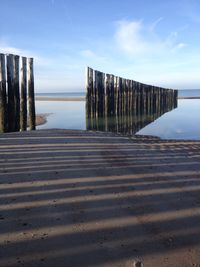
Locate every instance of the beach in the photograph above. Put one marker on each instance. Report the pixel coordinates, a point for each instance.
(83, 198)
(78, 198)
(41, 119)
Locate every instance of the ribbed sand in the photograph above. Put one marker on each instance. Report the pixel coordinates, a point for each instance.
(75, 198)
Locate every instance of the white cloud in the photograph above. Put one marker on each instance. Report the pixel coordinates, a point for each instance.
(88, 53)
(91, 56)
(6, 48)
(178, 47)
(134, 38)
(10, 50)
(129, 38)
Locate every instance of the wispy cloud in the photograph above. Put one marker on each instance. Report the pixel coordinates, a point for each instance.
(129, 38)
(135, 39)
(6, 48)
(88, 53)
(155, 24)
(91, 55)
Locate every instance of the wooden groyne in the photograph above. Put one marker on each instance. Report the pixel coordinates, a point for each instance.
(123, 105)
(16, 88)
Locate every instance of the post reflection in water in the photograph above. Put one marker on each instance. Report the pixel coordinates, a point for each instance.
(124, 106)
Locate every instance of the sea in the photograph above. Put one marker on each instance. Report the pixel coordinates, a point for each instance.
(182, 122)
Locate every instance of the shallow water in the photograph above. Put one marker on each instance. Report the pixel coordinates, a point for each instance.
(180, 123)
(63, 114)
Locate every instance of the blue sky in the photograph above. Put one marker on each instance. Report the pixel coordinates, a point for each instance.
(155, 42)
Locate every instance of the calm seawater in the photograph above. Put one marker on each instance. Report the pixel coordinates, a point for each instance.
(180, 123)
(60, 95)
(191, 92)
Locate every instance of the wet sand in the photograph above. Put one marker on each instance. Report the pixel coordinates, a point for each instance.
(41, 119)
(76, 198)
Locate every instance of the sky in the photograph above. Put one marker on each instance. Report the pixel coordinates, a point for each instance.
(155, 42)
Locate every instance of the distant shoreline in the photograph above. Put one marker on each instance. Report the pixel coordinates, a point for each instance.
(45, 98)
(82, 98)
(189, 97)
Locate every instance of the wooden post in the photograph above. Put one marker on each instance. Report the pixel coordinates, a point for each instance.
(95, 93)
(99, 78)
(3, 97)
(111, 94)
(123, 97)
(31, 95)
(131, 98)
(119, 88)
(89, 88)
(11, 98)
(107, 97)
(126, 96)
(116, 94)
(134, 98)
(138, 98)
(23, 104)
(175, 98)
(16, 93)
(103, 93)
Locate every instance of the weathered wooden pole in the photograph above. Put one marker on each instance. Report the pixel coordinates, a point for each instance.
(99, 82)
(138, 98)
(162, 101)
(103, 93)
(134, 97)
(93, 96)
(16, 93)
(112, 95)
(123, 96)
(95, 93)
(11, 97)
(98, 91)
(31, 95)
(175, 98)
(89, 87)
(107, 95)
(119, 88)
(131, 98)
(127, 96)
(116, 94)
(23, 103)
(3, 97)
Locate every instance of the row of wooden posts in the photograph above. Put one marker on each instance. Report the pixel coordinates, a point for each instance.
(108, 95)
(121, 105)
(16, 89)
(131, 122)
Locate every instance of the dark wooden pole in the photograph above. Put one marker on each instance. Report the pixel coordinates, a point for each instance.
(107, 96)
(31, 95)
(112, 95)
(3, 97)
(23, 104)
(16, 93)
(11, 97)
